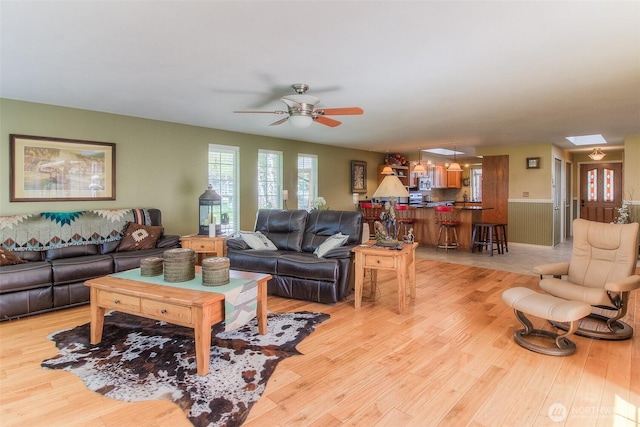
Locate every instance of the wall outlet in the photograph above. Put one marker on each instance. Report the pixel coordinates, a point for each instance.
(525, 194)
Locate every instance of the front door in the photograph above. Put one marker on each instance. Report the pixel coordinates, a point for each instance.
(600, 191)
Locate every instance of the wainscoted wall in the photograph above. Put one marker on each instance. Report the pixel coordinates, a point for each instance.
(531, 221)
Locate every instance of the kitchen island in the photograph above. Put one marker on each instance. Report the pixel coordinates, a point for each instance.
(426, 229)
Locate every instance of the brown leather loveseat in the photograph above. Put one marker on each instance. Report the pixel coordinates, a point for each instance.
(297, 272)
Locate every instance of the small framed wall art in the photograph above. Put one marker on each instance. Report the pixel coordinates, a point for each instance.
(358, 176)
(533, 162)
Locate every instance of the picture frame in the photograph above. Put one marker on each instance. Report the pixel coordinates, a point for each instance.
(533, 162)
(358, 176)
(44, 169)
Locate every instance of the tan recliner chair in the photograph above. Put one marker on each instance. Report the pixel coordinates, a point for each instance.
(600, 273)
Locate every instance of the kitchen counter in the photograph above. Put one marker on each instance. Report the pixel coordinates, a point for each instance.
(426, 230)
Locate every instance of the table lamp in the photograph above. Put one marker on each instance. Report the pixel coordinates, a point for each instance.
(392, 188)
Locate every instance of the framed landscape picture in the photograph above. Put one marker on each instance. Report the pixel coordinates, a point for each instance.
(54, 169)
(358, 176)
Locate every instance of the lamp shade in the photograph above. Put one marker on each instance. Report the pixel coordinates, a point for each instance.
(454, 167)
(390, 186)
(387, 170)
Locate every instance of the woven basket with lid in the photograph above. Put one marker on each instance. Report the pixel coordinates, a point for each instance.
(215, 271)
(179, 265)
(151, 266)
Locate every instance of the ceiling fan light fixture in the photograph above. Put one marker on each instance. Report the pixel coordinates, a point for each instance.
(597, 155)
(301, 121)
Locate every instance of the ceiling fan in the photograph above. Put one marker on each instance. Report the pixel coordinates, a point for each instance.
(301, 112)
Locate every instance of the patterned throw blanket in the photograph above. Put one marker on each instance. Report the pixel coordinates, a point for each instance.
(52, 230)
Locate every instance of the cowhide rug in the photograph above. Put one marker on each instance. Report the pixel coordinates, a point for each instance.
(141, 359)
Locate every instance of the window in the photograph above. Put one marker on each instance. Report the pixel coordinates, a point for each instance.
(476, 184)
(609, 185)
(269, 179)
(592, 175)
(307, 180)
(223, 177)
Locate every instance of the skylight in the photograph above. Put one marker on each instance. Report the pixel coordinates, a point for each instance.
(442, 151)
(587, 140)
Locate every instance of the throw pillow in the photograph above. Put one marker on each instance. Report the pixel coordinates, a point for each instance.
(257, 240)
(137, 237)
(9, 258)
(332, 242)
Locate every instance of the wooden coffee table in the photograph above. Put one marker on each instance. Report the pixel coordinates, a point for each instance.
(195, 309)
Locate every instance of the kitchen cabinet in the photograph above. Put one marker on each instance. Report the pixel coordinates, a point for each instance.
(402, 172)
(439, 179)
(454, 179)
(414, 177)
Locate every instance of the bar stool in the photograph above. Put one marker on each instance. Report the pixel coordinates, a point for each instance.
(405, 216)
(370, 213)
(488, 235)
(447, 219)
(501, 232)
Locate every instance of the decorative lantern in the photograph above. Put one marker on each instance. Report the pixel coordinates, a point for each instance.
(210, 213)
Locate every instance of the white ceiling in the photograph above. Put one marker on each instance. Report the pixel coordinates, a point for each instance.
(427, 73)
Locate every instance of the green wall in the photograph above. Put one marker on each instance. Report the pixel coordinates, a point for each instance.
(164, 165)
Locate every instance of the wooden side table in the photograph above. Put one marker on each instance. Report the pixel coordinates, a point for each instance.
(205, 246)
(375, 258)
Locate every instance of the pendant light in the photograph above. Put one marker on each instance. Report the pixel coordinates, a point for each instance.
(455, 166)
(419, 168)
(597, 155)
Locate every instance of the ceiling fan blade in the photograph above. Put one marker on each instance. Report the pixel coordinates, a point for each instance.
(262, 112)
(279, 122)
(347, 111)
(327, 121)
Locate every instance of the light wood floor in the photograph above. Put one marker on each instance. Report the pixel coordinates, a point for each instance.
(449, 361)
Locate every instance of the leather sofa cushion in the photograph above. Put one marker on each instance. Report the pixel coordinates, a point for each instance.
(128, 260)
(24, 276)
(69, 295)
(284, 228)
(20, 303)
(71, 270)
(72, 251)
(294, 287)
(308, 266)
(31, 255)
(323, 224)
(254, 260)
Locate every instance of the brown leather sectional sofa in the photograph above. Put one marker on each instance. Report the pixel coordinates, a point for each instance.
(53, 279)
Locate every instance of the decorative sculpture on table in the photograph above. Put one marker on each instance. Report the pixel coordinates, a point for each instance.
(409, 237)
(383, 238)
(388, 216)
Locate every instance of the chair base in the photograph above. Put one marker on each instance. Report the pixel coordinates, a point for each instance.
(622, 331)
(564, 346)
